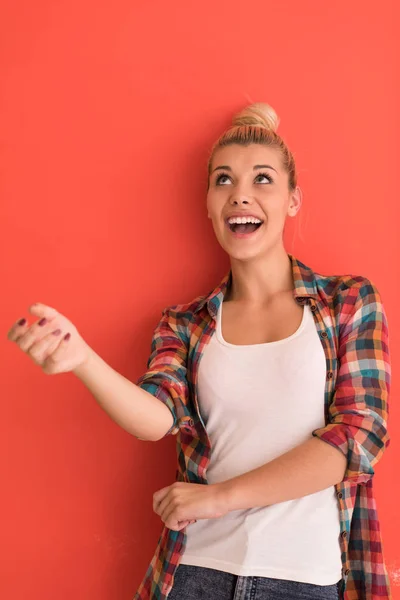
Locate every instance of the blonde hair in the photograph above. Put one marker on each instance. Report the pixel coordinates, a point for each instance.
(257, 124)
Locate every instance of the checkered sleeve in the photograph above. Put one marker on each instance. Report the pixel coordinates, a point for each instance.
(165, 377)
(358, 412)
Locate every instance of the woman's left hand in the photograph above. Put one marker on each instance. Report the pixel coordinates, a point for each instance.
(182, 503)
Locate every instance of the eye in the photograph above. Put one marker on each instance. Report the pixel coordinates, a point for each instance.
(266, 175)
(221, 175)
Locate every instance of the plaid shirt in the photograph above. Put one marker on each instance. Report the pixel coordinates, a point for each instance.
(352, 326)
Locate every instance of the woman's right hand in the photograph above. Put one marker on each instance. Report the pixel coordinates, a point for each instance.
(52, 342)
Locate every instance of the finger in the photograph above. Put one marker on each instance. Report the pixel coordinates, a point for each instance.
(174, 514)
(35, 333)
(158, 497)
(59, 352)
(41, 350)
(43, 311)
(162, 505)
(183, 524)
(165, 508)
(188, 521)
(17, 329)
(176, 524)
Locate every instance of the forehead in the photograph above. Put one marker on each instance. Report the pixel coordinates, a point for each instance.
(245, 157)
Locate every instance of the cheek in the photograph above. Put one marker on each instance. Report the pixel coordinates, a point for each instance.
(274, 207)
(214, 207)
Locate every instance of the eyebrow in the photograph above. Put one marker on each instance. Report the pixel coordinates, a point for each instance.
(227, 167)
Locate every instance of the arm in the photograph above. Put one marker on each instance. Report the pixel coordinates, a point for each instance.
(304, 470)
(153, 407)
(358, 415)
(134, 409)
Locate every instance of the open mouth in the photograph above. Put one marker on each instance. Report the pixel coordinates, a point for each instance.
(243, 228)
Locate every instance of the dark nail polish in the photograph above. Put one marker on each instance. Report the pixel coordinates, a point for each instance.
(42, 322)
(57, 332)
(67, 336)
(22, 322)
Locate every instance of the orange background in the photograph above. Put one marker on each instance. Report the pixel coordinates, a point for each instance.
(108, 111)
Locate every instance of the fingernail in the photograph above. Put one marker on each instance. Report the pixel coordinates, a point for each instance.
(57, 332)
(67, 336)
(42, 322)
(22, 322)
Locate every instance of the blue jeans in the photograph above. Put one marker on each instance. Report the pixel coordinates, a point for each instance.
(201, 583)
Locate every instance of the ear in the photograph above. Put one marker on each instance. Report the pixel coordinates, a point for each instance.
(295, 201)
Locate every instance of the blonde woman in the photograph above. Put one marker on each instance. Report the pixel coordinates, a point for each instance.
(276, 386)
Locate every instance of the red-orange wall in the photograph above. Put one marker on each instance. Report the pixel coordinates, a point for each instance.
(108, 111)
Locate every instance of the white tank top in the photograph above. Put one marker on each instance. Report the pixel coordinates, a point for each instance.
(257, 402)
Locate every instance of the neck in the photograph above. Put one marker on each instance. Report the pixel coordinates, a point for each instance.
(259, 281)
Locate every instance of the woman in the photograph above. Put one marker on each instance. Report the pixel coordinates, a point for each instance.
(276, 384)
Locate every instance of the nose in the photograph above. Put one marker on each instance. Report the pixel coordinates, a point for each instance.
(239, 200)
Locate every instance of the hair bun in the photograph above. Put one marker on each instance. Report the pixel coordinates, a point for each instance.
(259, 114)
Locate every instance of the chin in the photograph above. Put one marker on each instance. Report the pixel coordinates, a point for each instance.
(243, 253)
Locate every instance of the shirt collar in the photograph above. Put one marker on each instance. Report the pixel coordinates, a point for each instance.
(304, 286)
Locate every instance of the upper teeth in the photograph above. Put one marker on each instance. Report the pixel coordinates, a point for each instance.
(244, 220)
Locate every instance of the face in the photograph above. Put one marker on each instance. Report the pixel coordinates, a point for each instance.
(240, 187)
